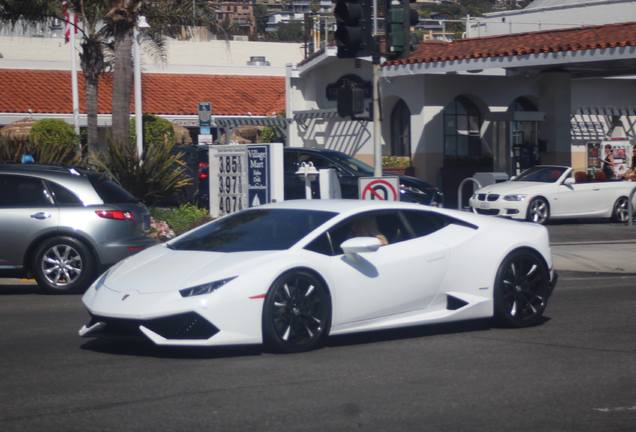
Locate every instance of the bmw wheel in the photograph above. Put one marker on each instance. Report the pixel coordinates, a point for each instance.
(621, 210)
(296, 312)
(538, 211)
(63, 265)
(522, 288)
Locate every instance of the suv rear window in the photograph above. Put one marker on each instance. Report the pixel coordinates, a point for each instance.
(109, 191)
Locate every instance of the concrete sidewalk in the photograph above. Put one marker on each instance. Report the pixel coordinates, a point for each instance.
(598, 257)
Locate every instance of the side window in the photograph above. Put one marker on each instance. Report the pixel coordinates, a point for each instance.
(385, 225)
(321, 245)
(63, 196)
(318, 161)
(290, 162)
(423, 223)
(21, 191)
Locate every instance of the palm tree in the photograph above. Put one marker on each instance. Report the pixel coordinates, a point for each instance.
(166, 18)
(92, 44)
(93, 47)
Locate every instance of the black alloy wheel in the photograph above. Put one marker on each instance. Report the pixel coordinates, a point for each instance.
(538, 211)
(63, 265)
(296, 312)
(522, 288)
(620, 212)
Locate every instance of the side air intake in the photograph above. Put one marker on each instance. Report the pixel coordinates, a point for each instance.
(453, 303)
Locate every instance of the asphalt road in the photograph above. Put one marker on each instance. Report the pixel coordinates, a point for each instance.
(576, 372)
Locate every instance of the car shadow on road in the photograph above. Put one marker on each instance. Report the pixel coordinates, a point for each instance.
(144, 348)
(411, 332)
(420, 331)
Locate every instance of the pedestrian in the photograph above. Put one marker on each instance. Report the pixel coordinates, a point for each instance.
(608, 162)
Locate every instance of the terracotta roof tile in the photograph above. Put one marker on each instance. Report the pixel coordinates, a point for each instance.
(44, 91)
(584, 38)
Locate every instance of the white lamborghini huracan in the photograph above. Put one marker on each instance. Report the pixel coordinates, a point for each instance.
(290, 274)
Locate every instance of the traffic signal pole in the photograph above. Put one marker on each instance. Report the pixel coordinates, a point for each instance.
(377, 127)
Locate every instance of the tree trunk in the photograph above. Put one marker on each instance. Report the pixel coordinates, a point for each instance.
(94, 145)
(122, 83)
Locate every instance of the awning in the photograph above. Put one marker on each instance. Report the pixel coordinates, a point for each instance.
(232, 122)
(587, 131)
(323, 114)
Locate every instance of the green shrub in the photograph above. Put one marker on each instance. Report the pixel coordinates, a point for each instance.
(12, 151)
(54, 142)
(396, 161)
(156, 130)
(162, 174)
(182, 218)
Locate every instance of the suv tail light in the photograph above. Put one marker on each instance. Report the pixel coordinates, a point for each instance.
(203, 171)
(115, 214)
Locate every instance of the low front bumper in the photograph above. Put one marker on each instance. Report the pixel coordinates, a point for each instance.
(501, 207)
(187, 328)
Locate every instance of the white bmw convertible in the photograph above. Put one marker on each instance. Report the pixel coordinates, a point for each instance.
(549, 192)
(292, 273)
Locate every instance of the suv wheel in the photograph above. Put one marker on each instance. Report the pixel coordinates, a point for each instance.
(63, 265)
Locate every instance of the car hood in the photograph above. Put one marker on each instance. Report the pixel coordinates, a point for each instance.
(513, 187)
(161, 269)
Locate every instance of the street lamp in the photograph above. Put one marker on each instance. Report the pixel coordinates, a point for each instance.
(141, 24)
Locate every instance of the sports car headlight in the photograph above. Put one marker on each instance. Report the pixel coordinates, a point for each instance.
(517, 197)
(205, 288)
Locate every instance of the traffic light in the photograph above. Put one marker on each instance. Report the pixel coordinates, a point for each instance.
(354, 30)
(398, 21)
(350, 100)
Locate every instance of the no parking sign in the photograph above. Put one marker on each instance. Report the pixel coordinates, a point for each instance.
(379, 188)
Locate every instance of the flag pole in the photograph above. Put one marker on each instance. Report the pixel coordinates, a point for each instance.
(72, 23)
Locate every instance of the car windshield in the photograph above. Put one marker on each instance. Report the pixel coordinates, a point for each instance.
(542, 174)
(254, 230)
(353, 163)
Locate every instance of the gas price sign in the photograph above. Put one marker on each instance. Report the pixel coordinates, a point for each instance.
(228, 180)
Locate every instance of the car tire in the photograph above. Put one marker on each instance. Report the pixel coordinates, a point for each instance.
(620, 212)
(296, 312)
(538, 211)
(63, 265)
(522, 288)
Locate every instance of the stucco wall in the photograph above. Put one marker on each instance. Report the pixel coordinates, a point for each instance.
(528, 20)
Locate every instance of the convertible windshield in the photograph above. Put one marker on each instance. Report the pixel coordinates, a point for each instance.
(353, 163)
(252, 230)
(542, 174)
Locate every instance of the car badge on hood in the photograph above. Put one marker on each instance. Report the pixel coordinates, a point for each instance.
(125, 297)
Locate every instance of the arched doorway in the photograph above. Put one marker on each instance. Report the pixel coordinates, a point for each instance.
(401, 130)
(462, 123)
(523, 136)
(464, 153)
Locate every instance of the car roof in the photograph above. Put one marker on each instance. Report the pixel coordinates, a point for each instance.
(341, 205)
(42, 169)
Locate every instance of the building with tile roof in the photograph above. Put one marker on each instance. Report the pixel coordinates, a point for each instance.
(541, 15)
(499, 103)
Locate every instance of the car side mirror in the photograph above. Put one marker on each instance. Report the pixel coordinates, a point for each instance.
(568, 181)
(360, 244)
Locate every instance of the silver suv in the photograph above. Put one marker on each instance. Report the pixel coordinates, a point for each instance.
(64, 225)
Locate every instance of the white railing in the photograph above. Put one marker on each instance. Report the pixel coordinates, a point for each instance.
(461, 186)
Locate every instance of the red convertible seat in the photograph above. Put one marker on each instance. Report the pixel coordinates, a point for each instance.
(555, 174)
(580, 177)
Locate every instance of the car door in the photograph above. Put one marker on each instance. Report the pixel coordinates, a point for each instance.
(26, 212)
(400, 277)
(576, 199)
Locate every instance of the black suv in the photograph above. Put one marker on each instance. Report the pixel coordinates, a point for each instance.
(348, 169)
